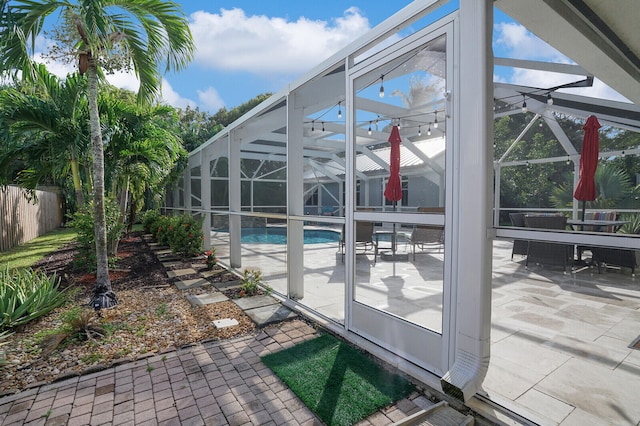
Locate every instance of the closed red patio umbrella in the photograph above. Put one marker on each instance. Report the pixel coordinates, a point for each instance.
(393, 190)
(586, 189)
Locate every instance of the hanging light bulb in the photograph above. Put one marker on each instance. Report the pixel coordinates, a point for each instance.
(398, 124)
(494, 144)
(435, 122)
(419, 131)
(323, 126)
(540, 123)
(313, 124)
(377, 123)
(622, 153)
(429, 130)
(568, 160)
(369, 129)
(339, 110)
(382, 86)
(549, 99)
(524, 105)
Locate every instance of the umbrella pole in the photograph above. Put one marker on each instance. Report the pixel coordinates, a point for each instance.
(393, 241)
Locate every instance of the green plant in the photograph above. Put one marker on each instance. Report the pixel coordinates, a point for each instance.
(27, 294)
(251, 282)
(210, 258)
(47, 414)
(78, 323)
(164, 229)
(185, 236)
(162, 310)
(83, 222)
(149, 220)
(149, 368)
(633, 227)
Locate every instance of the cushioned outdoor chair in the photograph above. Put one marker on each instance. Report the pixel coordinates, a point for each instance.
(520, 247)
(548, 253)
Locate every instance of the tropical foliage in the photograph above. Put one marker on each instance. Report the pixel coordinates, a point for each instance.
(26, 295)
(147, 33)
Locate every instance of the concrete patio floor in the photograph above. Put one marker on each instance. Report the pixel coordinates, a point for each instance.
(560, 350)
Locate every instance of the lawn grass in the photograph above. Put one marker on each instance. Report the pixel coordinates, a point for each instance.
(25, 255)
(337, 382)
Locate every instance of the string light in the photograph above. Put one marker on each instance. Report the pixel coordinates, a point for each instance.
(323, 126)
(549, 99)
(622, 153)
(435, 122)
(429, 130)
(369, 128)
(398, 124)
(313, 124)
(382, 86)
(524, 105)
(419, 130)
(540, 123)
(568, 160)
(339, 110)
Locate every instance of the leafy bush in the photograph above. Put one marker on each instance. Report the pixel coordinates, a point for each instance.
(185, 235)
(164, 229)
(26, 295)
(633, 227)
(83, 221)
(251, 282)
(149, 221)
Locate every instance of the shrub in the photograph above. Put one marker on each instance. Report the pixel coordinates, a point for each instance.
(164, 229)
(149, 219)
(78, 323)
(26, 295)
(83, 221)
(251, 282)
(185, 235)
(210, 258)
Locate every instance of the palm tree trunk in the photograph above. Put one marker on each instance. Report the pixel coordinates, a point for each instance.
(103, 295)
(77, 183)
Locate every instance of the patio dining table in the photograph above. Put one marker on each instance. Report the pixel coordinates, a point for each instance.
(600, 225)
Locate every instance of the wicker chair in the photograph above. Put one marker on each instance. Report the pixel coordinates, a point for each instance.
(617, 257)
(519, 246)
(548, 253)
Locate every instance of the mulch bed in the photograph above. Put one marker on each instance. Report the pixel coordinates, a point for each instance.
(152, 317)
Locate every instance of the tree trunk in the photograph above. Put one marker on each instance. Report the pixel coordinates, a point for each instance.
(103, 295)
(77, 183)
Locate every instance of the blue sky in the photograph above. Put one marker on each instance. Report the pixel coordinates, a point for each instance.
(248, 47)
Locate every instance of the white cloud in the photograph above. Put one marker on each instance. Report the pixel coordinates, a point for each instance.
(173, 98)
(515, 41)
(519, 43)
(231, 40)
(210, 99)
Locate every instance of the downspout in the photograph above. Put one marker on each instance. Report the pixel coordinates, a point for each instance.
(472, 254)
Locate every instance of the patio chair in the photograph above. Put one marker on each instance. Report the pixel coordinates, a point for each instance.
(427, 236)
(617, 257)
(519, 246)
(548, 253)
(364, 240)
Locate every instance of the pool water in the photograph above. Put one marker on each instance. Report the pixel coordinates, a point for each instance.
(275, 235)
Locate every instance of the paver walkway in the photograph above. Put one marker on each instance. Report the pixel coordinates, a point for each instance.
(214, 383)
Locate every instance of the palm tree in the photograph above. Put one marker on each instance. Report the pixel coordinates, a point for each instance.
(147, 32)
(49, 129)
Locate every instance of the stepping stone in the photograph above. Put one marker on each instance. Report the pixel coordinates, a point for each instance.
(228, 285)
(206, 299)
(163, 251)
(180, 272)
(266, 315)
(170, 263)
(169, 258)
(186, 284)
(252, 302)
(224, 323)
(209, 274)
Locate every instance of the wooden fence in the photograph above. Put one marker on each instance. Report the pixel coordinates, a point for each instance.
(22, 220)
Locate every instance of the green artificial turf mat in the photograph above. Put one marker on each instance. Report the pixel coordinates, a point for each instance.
(337, 382)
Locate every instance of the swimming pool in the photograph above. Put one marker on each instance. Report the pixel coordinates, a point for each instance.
(277, 235)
